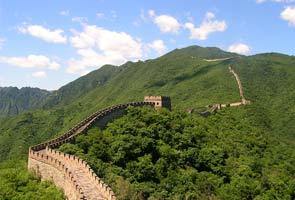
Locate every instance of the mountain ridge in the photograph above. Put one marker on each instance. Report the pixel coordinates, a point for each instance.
(98, 78)
(190, 82)
(14, 101)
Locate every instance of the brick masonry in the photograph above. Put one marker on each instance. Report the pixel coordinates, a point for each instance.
(72, 174)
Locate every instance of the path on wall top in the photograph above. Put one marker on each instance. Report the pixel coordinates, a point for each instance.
(218, 59)
(84, 181)
(243, 99)
(214, 107)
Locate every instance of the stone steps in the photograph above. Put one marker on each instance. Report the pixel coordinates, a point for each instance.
(90, 189)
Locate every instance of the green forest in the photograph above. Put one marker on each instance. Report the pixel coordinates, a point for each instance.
(150, 154)
(17, 183)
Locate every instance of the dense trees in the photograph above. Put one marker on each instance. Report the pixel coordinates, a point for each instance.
(161, 155)
(17, 183)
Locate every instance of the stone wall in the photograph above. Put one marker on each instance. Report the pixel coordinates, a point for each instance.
(53, 170)
(61, 168)
(159, 101)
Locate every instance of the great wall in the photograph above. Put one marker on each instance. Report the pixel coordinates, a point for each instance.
(72, 174)
(214, 107)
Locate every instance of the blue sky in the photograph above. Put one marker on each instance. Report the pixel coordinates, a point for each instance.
(47, 44)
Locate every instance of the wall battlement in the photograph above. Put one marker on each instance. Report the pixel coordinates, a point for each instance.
(159, 101)
(68, 172)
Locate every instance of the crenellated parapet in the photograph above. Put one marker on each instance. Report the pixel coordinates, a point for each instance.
(72, 174)
(159, 101)
(74, 162)
(49, 168)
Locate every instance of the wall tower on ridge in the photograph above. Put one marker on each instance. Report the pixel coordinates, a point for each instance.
(159, 101)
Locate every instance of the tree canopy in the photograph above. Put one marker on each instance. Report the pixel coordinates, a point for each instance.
(150, 154)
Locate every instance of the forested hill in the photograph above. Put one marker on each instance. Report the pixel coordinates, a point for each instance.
(183, 74)
(268, 80)
(128, 82)
(192, 77)
(14, 101)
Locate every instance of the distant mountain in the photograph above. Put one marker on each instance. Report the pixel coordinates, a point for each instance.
(14, 101)
(179, 68)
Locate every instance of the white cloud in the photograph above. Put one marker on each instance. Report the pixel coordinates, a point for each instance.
(107, 41)
(31, 61)
(288, 14)
(99, 15)
(2, 41)
(92, 59)
(98, 46)
(260, 1)
(79, 19)
(64, 13)
(239, 48)
(277, 1)
(55, 36)
(208, 26)
(2, 81)
(284, 1)
(142, 18)
(166, 23)
(113, 14)
(40, 74)
(109, 16)
(158, 46)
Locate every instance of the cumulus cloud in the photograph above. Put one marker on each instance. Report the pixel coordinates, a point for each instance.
(166, 23)
(97, 46)
(288, 14)
(158, 46)
(91, 58)
(31, 61)
(208, 26)
(40, 74)
(55, 36)
(239, 48)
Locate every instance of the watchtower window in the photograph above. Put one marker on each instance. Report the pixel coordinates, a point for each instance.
(157, 103)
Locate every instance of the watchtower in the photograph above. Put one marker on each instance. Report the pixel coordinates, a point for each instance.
(159, 101)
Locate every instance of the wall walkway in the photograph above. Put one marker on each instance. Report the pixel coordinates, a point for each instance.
(72, 174)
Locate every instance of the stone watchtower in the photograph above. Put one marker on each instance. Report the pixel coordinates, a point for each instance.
(159, 101)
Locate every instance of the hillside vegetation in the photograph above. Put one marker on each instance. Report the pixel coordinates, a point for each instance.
(268, 81)
(190, 81)
(172, 155)
(18, 184)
